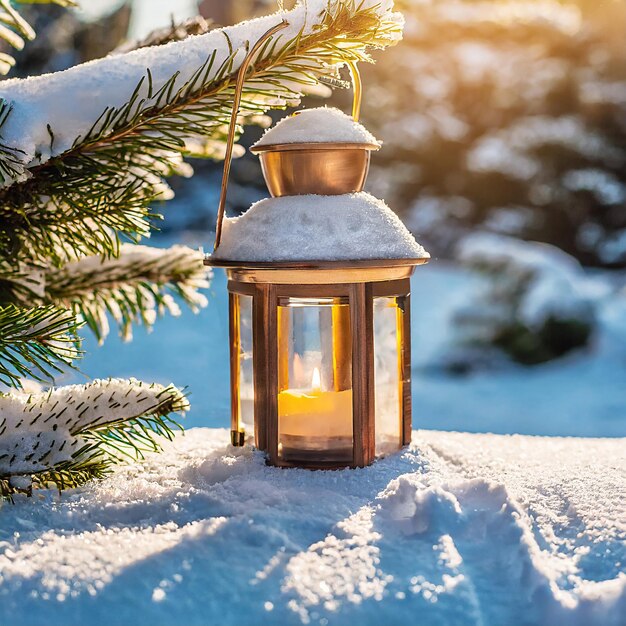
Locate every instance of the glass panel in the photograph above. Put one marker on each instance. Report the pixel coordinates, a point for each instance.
(246, 370)
(314, 381)
(388, 373)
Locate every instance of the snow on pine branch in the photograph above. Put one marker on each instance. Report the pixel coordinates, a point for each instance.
(42, 125)
(131, 113)
(76, 425)
(137, 286)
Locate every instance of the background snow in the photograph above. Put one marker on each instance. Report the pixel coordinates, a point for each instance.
(549, 282)
(582, 394)
(458, 529)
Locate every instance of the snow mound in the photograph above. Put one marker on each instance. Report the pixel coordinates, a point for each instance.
(319, 125)
(552, 281)
(457, 529)
(318, 228)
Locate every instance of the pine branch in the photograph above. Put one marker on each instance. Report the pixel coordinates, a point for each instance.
(11, 166)
(16, 31)
(21, 283)
(140, 285)
(72, 434)
(134, 288)
(105, 173)
(36, 343)
(77, 221)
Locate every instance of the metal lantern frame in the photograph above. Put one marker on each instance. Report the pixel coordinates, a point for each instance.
(357, 282)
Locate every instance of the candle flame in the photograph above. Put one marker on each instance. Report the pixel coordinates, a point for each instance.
(316, 381)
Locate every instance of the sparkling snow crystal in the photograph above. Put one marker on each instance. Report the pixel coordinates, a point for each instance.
(320, 228)
(320, 125)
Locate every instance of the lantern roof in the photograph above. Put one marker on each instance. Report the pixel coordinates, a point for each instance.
(354, 226)
(319, 125)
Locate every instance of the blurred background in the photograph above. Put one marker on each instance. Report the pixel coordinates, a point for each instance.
(504, 130)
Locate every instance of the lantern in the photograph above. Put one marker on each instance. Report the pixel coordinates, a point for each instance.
(319, 299)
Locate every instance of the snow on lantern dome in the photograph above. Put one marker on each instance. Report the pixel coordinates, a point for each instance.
(319, 298)
(318, 228)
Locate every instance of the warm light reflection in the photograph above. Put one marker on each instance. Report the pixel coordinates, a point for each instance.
(316, 381)
(315, 405)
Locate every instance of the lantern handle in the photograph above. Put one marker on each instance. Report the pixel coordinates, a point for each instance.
(232, 128)
(357, 88)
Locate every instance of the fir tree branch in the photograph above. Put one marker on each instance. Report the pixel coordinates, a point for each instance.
(105, 173)
(11, 165)
(136, 287)
(175, 32)
(21, 283)
(36, 342)
(17, 29)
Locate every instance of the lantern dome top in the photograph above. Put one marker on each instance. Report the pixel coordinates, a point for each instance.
(353, 226)
(319, 125)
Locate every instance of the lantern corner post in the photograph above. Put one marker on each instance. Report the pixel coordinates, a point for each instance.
(362, 322)
(407, 402)
(259, 368)
(265, 338)
(237, 435)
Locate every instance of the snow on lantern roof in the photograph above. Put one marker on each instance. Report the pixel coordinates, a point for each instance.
(352, 226)
(319, 125)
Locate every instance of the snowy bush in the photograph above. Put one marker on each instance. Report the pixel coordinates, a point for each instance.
(533, 307)
(508, 116)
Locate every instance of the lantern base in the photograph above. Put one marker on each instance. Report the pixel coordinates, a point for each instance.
(315, 463)
(311, 465)
(305, 451)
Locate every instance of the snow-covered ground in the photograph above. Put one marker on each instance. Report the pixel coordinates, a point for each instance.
(460, 529)
(467, 529)
(583, 394)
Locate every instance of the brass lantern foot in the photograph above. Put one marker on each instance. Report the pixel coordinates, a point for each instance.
(237, 438)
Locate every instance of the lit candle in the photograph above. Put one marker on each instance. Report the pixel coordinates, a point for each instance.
(315, 420)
